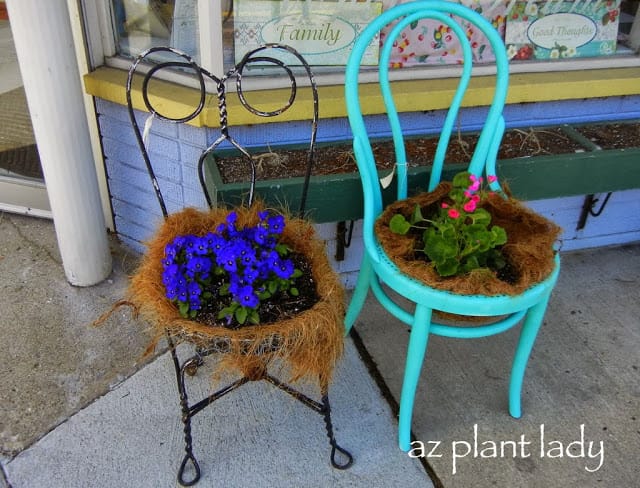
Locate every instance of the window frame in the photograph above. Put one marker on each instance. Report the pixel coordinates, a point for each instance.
(102, 50)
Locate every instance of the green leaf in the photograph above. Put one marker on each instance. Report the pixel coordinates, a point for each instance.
(399, 225)
(461, 180)
(416, 216)
(296, 274)
(439, 249)
(499, 235)
(282, 249)
(481, 217)
(448, 267)
(294, 291)
(241, 315)
(272, 287)
(470, 264)
(264, 295)
(226, 311)
(479, 237)
(254, 318)
(457, 195)
(224, 289)
(183, 308)
(448, 232)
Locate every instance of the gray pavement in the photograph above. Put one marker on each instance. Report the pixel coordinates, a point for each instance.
(79, 408)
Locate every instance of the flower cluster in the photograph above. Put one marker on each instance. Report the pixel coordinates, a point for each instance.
(236, 268)
(458, 238)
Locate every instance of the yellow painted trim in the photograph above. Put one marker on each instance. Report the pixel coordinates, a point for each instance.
(411, 96)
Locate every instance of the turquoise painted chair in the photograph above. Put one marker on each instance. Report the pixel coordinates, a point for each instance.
(378, 272)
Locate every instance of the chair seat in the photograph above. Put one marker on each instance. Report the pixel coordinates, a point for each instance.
(454, 303)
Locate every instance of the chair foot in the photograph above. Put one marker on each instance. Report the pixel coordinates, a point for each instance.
(335, 448)
(189, 457)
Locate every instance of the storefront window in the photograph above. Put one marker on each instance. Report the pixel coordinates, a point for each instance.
(216, 34)
(141, 24)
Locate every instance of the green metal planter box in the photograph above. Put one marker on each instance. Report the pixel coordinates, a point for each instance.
(338, 197)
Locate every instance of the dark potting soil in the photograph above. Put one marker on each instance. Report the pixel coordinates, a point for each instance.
(613, 136)
(277, 308)
(336, 159)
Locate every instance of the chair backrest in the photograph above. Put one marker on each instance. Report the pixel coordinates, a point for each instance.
(396, 20)
(171, 58)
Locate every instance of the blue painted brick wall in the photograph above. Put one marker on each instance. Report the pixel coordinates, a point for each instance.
(175, 150)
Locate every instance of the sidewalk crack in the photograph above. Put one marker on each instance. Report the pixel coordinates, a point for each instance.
(30, 241)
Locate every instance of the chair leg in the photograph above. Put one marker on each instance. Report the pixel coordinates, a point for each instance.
(415, 357)
(189, 457)
(359, 294)
(528, 334)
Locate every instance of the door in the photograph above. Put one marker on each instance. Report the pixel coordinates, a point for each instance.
(22, 187)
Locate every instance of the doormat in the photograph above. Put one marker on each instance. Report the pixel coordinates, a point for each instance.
(23, 161)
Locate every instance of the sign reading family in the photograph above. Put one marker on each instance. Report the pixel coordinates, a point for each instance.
(322, 32)
(555, 29)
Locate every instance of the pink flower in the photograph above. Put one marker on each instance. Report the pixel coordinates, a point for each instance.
(475, 198)
(470, 206)
(445, 205)
(492, 178)
(453, 213)
(475, 186)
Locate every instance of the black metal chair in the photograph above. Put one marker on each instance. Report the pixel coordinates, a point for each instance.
(180, 60)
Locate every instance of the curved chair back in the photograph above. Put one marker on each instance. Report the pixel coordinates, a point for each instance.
(175, 59)
(398, 18)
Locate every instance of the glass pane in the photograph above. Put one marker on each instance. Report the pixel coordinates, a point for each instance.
(141, 24)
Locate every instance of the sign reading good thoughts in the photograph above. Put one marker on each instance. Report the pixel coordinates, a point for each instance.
(556, 29)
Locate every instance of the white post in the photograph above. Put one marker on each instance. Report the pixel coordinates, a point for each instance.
(44, 46)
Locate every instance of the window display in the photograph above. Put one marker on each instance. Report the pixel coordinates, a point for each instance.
(532, 29)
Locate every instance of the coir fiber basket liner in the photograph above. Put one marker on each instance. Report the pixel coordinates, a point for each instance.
(529, 247)
(310, 343)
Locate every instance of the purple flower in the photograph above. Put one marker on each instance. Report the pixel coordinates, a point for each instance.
(250, 275)
(232, 218)
(245, 260)
(194, 291)
(202, 246)
(261, 235)
(227, 259)
(275, 224)
(284, 269)
(198, 265)
(247, 255)
(247, 297)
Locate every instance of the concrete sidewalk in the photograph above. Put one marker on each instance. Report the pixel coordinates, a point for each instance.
(78, 408)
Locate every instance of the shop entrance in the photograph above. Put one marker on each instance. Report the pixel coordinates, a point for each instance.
(22, 187)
